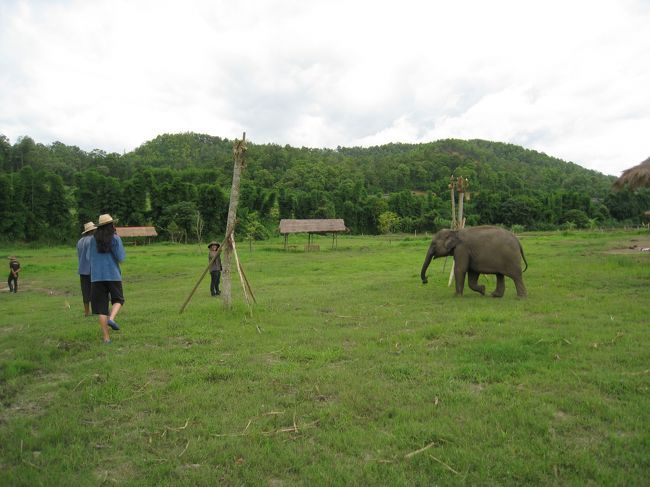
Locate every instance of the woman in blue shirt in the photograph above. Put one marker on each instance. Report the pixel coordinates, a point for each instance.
(106, 253)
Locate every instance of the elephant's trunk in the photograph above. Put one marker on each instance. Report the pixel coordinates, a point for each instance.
(425, 266)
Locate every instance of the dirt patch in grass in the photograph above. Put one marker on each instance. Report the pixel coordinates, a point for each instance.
(27, 407)
(117, 474)
(633, 246)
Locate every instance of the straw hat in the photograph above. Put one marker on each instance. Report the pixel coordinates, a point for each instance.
(105, 219)
(213, 243)
(88, 227)
(13, 257)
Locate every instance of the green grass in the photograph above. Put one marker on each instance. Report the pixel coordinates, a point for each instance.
(344, 370)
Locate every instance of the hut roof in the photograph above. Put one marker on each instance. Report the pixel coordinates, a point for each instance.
(312, 226)
(635, 177)
(136, 231)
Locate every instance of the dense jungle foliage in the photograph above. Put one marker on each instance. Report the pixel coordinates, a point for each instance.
(179, 183)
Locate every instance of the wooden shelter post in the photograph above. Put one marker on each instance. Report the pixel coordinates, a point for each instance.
(312, 227)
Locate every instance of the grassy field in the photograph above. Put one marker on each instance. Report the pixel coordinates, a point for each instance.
(348, 371)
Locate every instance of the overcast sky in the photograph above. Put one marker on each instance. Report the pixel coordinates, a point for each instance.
(570, 78)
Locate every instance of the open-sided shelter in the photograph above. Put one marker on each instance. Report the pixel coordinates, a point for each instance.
(311, 227)
(146, 233)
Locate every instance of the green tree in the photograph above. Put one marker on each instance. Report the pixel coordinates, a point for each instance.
(5, 154)
(388, 222)
(7, 212)
(578, 217)
(134, 195)
(59, 221)
(213, 204)
(520, 210)
(286, 203)
(179, 219)
(23, 153)
(34, 202)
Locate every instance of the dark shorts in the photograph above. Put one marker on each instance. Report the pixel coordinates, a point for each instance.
(85, 287)
(101, 292)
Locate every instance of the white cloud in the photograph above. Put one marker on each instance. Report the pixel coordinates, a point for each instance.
(566, 78)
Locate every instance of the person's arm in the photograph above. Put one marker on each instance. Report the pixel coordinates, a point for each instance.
(118, 249)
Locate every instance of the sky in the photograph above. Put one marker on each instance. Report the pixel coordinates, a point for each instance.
(570, 78)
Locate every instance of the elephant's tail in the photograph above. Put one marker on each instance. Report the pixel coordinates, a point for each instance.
(521, 249)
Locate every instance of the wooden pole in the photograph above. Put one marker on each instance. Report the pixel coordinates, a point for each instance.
(454, 222)
(248, 290)
(452, 186)
(239, 151)
(461, 186)
(461, 198)
(241, 274)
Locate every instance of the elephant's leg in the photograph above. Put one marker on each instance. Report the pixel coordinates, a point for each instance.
(472, 280)
(501, 286)
(459, 276)
(519, 285)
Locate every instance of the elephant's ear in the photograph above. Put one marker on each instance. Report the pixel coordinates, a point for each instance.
(451, 241)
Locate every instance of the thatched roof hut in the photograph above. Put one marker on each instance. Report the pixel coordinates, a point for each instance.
(136, 231)
(635, 177)
(322, 226)
(145, 233)
(312, 226)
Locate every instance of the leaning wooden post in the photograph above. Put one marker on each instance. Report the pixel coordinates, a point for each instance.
(239, 151)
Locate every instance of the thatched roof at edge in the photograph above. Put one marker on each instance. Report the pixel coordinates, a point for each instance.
(136, 231)
(635, 177)
(312, 226)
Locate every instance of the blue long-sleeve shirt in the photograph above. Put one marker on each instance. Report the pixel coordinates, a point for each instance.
(106, 267)
(83, 254)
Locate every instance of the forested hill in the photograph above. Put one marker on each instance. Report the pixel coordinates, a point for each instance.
(386, 168)
(179, 183)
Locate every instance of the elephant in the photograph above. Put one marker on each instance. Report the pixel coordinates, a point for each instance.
(479, 250)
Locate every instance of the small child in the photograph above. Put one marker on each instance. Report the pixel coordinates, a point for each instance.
(14, 269)
(215, 268)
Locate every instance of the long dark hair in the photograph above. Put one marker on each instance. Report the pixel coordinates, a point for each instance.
(104, 238)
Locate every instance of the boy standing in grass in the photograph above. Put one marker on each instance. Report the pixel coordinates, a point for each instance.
(14, 269)
(215, 268)
(83, 256)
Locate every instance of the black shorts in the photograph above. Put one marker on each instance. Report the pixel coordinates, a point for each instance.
(100, 293)
(85, 287)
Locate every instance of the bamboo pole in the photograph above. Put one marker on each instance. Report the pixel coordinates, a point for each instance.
(241, 278)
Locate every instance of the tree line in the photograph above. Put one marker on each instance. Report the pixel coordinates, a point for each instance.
(179, 183)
